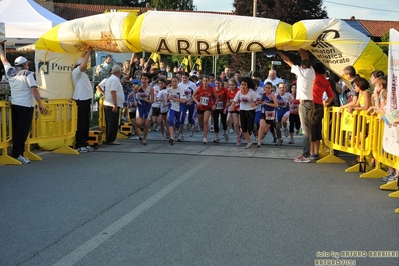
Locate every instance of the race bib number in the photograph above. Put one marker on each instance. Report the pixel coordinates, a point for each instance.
(270, 115)
(204, 100)
(219, 105)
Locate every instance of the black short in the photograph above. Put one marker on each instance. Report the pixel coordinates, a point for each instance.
(234, 112)
(263, 116)
(156, 111)
(201, 112)
(132, 115)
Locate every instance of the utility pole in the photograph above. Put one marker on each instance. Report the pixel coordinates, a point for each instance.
(253, 57)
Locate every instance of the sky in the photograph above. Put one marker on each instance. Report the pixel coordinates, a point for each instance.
(361, 9)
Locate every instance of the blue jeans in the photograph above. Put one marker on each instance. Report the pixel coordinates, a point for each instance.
(306, 110)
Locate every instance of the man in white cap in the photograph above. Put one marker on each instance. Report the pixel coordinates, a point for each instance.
(24, 92)
(82, 94)
(113, 101)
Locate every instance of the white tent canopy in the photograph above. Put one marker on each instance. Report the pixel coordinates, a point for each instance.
(25, 20)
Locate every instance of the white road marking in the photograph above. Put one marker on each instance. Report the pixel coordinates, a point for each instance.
(100, 238)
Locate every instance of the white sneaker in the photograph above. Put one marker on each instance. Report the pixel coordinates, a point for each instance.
(392, 178)
(23, 159)
(226, 137)
(204, 141)
(286, 132)
(180, 138)
(389, 176)
(89, 148)
(212, 129)
(82, 149)
(249, 146)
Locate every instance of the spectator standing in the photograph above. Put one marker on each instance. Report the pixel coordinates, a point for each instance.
(113, 101)
(272, 77)
(134, 65)
(83, 95)
(103, 69)
(320, 86)
(24, 92)
(305, 79)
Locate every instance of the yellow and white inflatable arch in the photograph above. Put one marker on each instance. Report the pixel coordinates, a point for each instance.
(332, 41)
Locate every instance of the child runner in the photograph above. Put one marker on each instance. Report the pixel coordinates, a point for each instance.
(132, 106)
(248, 100)
(176, 96)
(295, 122)
(283, 111)
(233, 109)
(205, 98)
(145, 98)
(220, 110)
(189, 87)
(269, 104)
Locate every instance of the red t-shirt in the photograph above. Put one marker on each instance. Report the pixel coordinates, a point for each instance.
(320, 86)
(222, 94)
(230, 98)
(205, 97)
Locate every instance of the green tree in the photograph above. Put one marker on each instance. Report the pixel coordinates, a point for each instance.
(173, 4)
(385, 47)
(289, 11)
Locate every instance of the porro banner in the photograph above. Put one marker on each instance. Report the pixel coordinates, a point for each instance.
(391, 132)
(54, 73)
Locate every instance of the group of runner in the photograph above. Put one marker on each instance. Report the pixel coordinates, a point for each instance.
(242, 105)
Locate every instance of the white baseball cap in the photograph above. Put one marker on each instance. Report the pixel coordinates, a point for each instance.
(79, 61)
(20, 60)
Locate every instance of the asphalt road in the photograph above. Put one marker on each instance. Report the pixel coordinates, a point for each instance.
(192, 204)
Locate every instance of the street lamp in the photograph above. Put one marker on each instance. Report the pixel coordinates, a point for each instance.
(253, 57)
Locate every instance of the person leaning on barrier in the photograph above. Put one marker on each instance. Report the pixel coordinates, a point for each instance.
(113, 101)
(83, 95)
(24, 92)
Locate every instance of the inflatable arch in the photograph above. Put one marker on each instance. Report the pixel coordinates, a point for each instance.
(332, 41)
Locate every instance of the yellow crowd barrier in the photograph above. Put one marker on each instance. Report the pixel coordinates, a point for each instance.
(360, 134)
(57, 125)
(6, 133)
(381, 157)
(347, 132)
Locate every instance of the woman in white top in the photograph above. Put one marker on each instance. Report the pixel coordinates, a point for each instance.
(248, 101)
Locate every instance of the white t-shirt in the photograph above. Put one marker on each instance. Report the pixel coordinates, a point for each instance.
(259, 92)
(162, 99)
(178, 93)
(102, 84)
(304, 83)
(246, 100)
(156, 104)
(275, 82)
(113, 83)
(81, 82)
(21, 82)
(189, 89)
